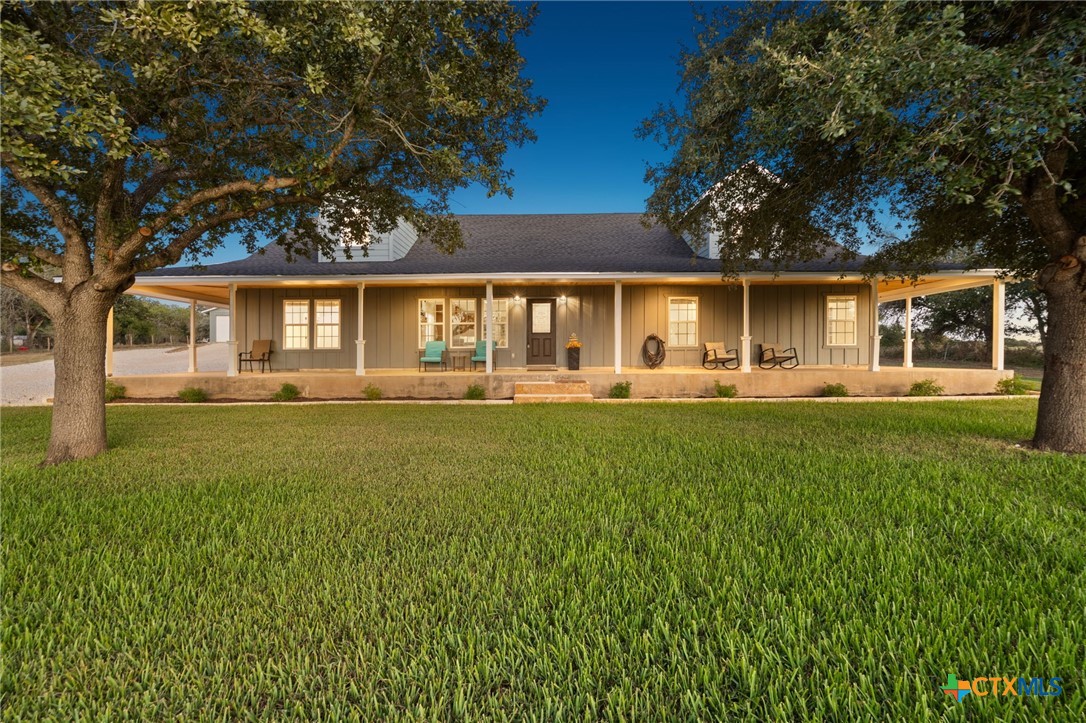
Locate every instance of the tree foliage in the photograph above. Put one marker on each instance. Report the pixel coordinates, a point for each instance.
(136, 133)
(949, 116)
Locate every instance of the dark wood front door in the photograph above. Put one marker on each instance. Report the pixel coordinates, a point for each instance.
(541, 332)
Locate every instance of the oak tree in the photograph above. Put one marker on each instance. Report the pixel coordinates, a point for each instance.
(964, 120)
(138, 134)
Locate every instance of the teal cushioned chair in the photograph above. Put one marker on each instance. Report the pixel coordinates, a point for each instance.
(480, 353)
(434, 353)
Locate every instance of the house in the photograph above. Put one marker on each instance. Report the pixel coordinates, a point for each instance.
(526, 282)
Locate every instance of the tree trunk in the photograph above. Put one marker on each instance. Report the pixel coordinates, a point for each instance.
(1061, 416)
(79, 407)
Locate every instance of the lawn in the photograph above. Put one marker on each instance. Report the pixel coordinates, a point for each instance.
(764, 561)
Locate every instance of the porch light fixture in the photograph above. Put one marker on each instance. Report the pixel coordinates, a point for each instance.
(562, 299)
(516, 299)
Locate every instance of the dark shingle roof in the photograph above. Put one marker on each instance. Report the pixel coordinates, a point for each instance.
(537, 243)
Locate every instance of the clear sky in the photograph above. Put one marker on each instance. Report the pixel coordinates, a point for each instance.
(603, 67)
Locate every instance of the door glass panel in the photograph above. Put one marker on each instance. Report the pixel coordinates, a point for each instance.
(541, 318)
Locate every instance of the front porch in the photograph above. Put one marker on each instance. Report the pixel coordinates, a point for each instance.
(671, 382)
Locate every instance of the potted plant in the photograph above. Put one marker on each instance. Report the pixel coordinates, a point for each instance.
(573, 353)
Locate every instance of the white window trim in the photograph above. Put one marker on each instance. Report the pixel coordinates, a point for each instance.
(474, 324)
(338, 325)
(508, 305)
(697, 321)
(855, 322)
(308, 325)
(419, 323)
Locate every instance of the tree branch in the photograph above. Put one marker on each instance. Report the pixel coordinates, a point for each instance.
(41, 291)
(172, 253)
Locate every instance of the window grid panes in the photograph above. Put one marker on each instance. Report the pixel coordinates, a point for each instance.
(431, 321)
(463, 322)
(501, 323)
(326, 313)
(841, 321)
(682, 322)
(295, 324)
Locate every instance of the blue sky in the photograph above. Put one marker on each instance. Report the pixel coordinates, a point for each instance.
(603, 67)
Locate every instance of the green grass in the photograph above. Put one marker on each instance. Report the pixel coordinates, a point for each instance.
(761, 561)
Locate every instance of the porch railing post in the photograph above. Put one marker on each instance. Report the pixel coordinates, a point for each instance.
(874, 365)
(360, 342)
(618, 326)
(908, 332)
(746, 327)
(489, 327)
(999, 298)
(232, 361)
(192, 336)
(109, 343)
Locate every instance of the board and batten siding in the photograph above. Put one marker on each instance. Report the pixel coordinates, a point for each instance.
(260, 316)
(793, 315)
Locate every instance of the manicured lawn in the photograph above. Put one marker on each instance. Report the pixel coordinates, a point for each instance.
(768, 561)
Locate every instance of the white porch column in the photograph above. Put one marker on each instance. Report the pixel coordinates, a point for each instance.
(874, 365)
(109, 343)
(232, 362)
(999, 298)
(490, 327)
(192, 336)
(618, 327)
(360, 343)
(908, 332)
(746, 351)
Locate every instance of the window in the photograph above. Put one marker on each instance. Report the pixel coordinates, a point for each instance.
(840, 321)
(295, 324)
(501, 323)
(682, 321)
(327, 323)
(431, 320)
(463, 322)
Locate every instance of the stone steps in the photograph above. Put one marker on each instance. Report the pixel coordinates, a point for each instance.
(541, 392)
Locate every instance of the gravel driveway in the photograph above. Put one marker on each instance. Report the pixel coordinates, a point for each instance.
(25, 384)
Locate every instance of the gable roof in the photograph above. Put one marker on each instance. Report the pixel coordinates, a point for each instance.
(501, 244)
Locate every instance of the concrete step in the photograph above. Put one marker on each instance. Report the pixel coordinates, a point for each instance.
(547, 398)
(570, 387)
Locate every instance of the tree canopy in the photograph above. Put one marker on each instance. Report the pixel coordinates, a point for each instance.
(948, 116)
(141, 132)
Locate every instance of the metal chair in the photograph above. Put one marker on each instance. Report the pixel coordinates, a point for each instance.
(261, 352)
(773, 354)
(715, 354)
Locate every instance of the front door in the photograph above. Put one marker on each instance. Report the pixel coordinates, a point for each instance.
(541, 333)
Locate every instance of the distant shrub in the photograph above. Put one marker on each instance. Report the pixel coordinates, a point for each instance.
(114, 391)
(925, 388)
(1014, 385)
(372, 392)
(835, 390)
(726, 391)
(475, 391)
(192, 395)
(286, 392)
(620, 390)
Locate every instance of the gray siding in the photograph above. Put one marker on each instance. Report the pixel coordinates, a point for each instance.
(793, 315)
(260, 316)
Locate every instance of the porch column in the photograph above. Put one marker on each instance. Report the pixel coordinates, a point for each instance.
(746, 351)
(109, 343)
(618, 326)
(999, 298)
(192, 336)
(908, 332)
(490, 327)
(874, 365)
(360, 343)
(232, 362)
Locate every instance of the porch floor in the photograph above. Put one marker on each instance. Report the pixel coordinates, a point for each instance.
(804, 381)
